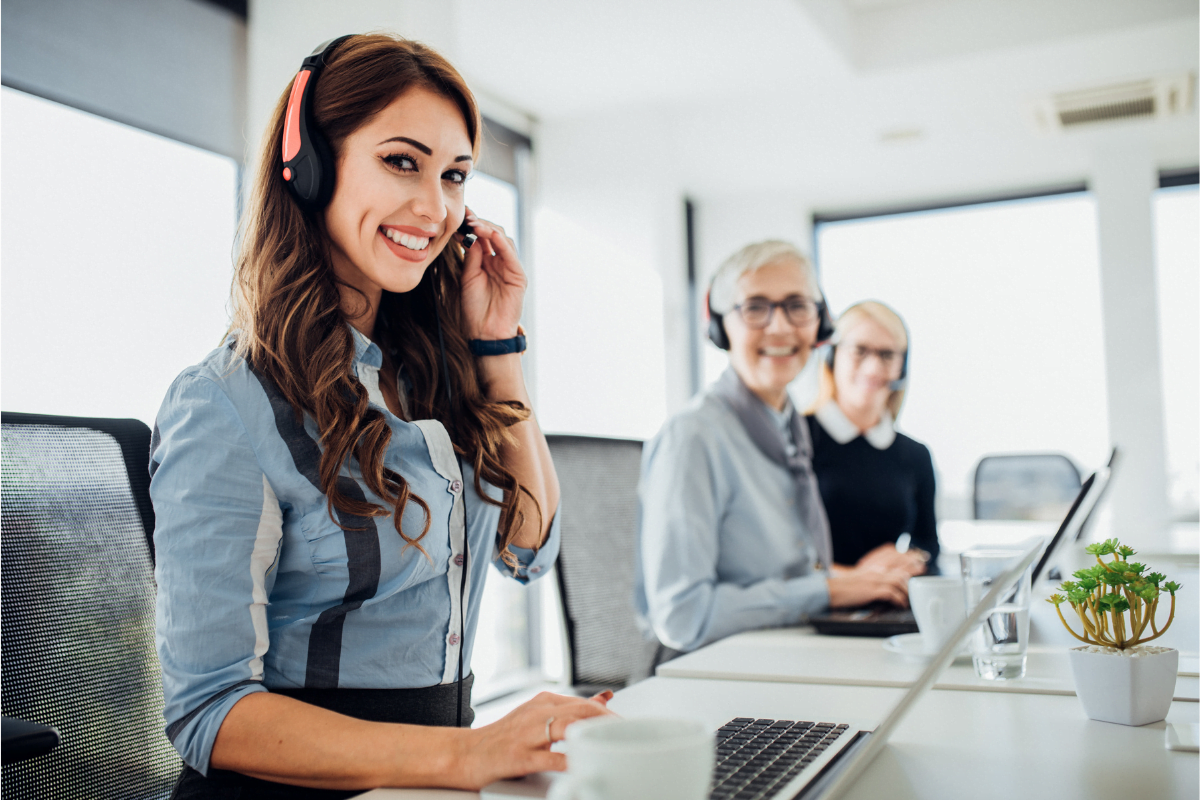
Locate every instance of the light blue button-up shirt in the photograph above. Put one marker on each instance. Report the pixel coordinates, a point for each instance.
(722, 547)
(258, 588)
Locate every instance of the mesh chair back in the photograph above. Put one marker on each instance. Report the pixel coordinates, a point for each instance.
(1031, 486)
(599, 480)
(77, 575)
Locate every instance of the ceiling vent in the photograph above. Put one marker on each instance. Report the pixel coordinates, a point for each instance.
(1150, 99)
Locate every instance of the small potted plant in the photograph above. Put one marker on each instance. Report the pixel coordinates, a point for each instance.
(1117, 677)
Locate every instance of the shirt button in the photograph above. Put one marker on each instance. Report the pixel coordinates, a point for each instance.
(535, 570)
(453, 639)
(458, 560)
(456, 486)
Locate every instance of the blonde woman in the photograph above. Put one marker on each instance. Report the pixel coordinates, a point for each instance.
(732, 535)
(876, 483)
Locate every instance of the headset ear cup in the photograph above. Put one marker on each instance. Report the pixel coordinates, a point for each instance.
(326, 170)
(825, 329)
(716, 330)
(312, 170)
(902, 381)
(309, 167)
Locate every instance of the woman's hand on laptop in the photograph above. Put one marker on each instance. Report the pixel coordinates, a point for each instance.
(519, 743)
(857, 587)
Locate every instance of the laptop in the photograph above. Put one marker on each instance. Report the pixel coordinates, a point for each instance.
(1077, 519)
(884, 619)
(772, 759)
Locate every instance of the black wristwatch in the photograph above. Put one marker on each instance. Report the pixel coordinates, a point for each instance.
(499, 347)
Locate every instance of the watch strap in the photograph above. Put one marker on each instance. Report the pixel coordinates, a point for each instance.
(498, 347)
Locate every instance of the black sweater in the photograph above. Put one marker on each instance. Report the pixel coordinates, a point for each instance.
(872, 496)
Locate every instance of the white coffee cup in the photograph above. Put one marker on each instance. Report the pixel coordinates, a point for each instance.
(937, 603)
(611, 758)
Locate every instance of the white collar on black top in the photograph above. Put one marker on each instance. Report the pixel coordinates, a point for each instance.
(843, 431)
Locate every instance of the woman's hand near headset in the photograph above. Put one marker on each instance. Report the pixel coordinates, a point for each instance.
(519, 743)
(493, 291)
(493, 283)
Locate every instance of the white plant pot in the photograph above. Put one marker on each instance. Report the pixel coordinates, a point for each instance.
(1129, 690)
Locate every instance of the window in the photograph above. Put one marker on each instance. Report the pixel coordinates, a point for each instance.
(1177, 251)
(116, 254)
(1002, 301)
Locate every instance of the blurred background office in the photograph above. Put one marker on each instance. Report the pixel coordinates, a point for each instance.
(1019, 176)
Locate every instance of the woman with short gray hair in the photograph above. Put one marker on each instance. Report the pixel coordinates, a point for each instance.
(732, 533)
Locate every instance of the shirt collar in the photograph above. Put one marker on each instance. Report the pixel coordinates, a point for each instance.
(365, 350)
(843, 431)
(783, 416)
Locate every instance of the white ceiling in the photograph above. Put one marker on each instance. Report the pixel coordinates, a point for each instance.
(848, 101)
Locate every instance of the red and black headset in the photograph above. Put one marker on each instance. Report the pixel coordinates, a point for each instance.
(308, 165)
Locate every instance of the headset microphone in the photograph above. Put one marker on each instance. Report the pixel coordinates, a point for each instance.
(468, 233)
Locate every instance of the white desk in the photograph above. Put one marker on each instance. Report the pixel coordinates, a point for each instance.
(797, 655)
(973, 739)
(952, 745)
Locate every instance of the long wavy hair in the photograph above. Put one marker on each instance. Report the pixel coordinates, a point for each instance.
(291, 328)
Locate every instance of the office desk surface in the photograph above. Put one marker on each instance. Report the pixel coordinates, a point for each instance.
(952, 745)
(797, 655)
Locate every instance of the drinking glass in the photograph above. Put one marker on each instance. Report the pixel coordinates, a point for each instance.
(999, 644)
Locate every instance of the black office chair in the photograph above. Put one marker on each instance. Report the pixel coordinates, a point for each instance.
(595, 567)
(77, 594)
(1025, 486)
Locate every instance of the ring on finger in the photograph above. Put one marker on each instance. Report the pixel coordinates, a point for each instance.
(549, 739)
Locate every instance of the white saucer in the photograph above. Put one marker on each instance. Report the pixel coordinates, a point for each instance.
(911, 645)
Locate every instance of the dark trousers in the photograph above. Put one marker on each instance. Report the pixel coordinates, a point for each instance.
(434, 705)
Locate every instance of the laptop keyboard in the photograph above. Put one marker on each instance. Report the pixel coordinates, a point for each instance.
(756, 757)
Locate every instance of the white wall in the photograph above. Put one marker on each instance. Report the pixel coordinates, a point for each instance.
(1124, 180)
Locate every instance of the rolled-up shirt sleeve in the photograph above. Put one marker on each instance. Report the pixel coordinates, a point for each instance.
(533, 565)
(682, 503)
(218, 527)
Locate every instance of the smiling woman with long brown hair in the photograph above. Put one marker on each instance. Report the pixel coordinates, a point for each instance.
(332, 482)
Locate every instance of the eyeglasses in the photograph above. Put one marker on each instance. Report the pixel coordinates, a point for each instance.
(757, 311)
(886, 357)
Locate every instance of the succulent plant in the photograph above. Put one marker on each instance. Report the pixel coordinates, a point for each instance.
(1116, 601)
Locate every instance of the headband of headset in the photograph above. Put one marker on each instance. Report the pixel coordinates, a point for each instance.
(308, 165)
(716, 323)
